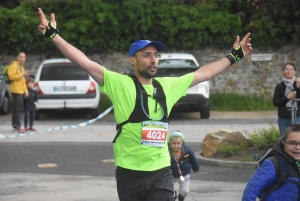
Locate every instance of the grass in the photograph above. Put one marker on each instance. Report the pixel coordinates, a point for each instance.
(237, 102)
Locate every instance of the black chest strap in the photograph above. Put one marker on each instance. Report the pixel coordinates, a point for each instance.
(138, 113)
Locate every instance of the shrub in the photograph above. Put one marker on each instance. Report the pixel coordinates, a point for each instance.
(264, 138)
(230, 150)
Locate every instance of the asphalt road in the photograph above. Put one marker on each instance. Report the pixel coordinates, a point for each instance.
(76, 157)
(83, 157)
(89, 159)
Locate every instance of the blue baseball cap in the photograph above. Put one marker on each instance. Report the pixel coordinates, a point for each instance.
(140, 44)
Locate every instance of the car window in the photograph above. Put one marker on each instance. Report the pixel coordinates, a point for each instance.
(175, 67)
(176, 63)
(51, 72)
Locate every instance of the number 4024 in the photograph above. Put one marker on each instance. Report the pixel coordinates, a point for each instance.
(156, 135)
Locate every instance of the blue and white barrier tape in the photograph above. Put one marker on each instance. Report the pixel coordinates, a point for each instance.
(60, 127)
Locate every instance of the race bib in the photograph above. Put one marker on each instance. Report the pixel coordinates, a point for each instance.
(154, 133)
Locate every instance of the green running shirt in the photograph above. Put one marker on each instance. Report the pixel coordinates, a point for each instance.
(128, 151)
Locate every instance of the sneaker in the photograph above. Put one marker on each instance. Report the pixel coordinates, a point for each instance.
(21, 130)
(26, 129)
(15, 129)
(31, 129)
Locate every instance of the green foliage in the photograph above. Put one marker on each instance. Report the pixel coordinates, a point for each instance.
(264, 138)
(107, 26)
(10, 3)
(230, 150)
(104, 26)
(15, 24)
(236, 102)
(275, 23)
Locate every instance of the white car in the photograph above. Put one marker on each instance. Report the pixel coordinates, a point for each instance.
(62, 85)
(4, 96)
(197, 97)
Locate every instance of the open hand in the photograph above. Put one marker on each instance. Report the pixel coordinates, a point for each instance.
(44, 22)
(245, 43)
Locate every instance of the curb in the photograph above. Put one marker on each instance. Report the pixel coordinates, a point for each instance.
(232, 164)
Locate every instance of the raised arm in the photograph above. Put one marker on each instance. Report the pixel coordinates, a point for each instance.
(71, 52)
(208, 71)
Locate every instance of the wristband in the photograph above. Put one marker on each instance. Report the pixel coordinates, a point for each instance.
(50, 33)
(237, 53)
(231, 59)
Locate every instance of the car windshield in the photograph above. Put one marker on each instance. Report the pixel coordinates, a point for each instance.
(57, 71)
(175, 67)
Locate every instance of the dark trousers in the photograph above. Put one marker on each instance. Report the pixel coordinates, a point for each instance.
(29, 115)
(144, 186)
(18, 109)
(283, 123)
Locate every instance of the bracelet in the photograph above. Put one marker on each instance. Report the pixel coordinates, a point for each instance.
(50, 33)
(231, 59)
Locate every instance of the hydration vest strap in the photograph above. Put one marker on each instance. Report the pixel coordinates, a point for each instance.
(119, 129)
(137, 114)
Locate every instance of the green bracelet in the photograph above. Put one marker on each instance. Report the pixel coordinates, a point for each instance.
(50, 33)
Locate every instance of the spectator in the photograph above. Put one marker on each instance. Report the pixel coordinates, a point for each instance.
(30, 103)
(183, 160)
(284, 93)
(18, 89)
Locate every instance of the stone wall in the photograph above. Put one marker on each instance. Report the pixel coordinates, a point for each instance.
(244, 77)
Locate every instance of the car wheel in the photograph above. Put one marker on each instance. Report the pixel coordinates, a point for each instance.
(95, 113)
(37, 115)
(205, 112)
(4, 107)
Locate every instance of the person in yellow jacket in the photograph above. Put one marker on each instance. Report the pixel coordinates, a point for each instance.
(18, 89)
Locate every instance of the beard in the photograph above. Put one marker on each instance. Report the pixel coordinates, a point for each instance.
(146, 73)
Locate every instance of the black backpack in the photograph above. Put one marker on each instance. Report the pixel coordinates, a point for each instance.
(283, 170)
